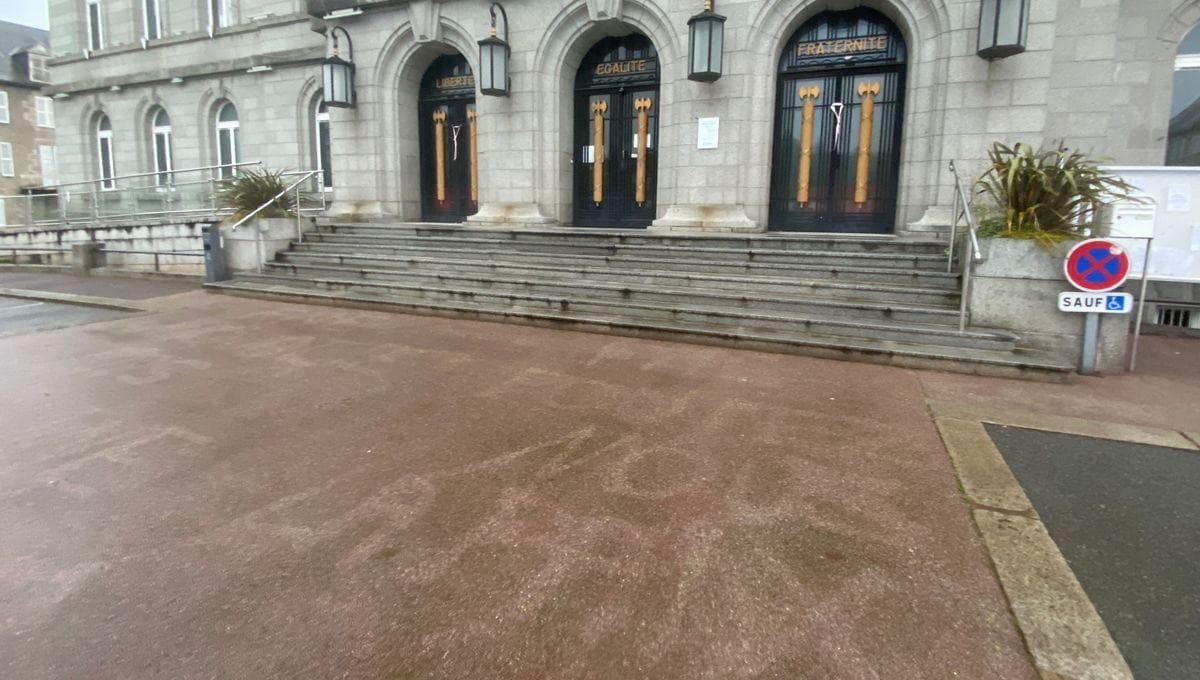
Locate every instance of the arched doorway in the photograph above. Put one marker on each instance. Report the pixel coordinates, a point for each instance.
(616, 134)
(446, 109)
(836, 159)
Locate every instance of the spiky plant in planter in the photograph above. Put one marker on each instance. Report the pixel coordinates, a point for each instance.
(1047, 195)
(248, 189)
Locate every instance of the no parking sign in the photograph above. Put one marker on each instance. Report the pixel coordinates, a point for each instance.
(1096, 265)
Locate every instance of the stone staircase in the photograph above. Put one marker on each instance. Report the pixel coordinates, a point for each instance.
(878, 299)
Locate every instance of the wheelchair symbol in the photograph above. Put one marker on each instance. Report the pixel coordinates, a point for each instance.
(1115, 303)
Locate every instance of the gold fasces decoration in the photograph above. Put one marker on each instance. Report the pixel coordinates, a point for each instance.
(642, 106)
(808, 95)
(867, 91)
(474, 147)
(439, 153)
(598, 110)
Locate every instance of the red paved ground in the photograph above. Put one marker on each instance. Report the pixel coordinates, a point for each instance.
(245, 489)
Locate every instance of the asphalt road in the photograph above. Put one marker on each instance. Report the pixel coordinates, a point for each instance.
(18, 315)
(1127, 519)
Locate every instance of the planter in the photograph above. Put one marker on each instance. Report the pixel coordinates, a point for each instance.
(258, 240)
(1016, 288)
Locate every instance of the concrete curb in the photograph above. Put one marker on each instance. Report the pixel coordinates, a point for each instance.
(73, 299)
(1050, 423)
(1062, 629)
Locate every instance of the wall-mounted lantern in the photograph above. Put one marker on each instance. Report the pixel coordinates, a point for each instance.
(337, 74)
(494, 54)
(1003, 25)
(706, 42)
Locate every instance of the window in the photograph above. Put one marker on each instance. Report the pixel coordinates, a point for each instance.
(150, 19)
(104, 153)
(322, 146)
(228, 149)
(220, 13)
(49, 165)
(160, 133)
(45, 111)
(95, 26)
(3, 107)
(39, 72)
(6, 160)
(1183, 133)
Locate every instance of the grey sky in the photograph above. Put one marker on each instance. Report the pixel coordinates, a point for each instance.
(28, 12)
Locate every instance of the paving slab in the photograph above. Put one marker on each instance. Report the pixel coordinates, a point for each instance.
(239, 488)
(94, 286)
(1163, 393)
(27, 316)
(1127, 519)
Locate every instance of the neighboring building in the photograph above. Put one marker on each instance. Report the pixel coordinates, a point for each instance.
(152, 85)
(27, 156)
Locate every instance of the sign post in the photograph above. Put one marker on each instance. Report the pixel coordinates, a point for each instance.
(1095, 266)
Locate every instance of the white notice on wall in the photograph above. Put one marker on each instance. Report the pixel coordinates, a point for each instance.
(1196, 238)
(708, 132)
(1179, 198)
(1170, 262)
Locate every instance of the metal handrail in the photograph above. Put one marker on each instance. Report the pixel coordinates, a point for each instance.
(975, 255)
(299, 213)
(173, 171)
(307, 175)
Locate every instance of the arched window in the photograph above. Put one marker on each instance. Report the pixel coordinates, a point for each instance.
(160, 141)
(228, 145)
(104, 153)
(1183, 135)
(321, 146)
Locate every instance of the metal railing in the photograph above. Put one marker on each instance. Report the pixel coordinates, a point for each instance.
(158, 254)
(973, 255)
(305, 175)
(14, 252)
(187, 192)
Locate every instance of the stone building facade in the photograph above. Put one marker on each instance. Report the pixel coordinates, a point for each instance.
(1095, 73)
(27, 152)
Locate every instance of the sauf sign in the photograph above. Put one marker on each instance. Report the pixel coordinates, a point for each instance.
(1103, 303)
(1095, 267)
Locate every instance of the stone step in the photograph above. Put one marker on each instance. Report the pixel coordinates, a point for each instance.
(615, 237)
(812, 316)
(485, 260)
(962, 359)
(495, 250)
(309, 265)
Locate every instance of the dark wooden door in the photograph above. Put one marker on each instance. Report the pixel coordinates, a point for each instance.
(446, 116)
(615, 153)
(836, 158)
(837, 154)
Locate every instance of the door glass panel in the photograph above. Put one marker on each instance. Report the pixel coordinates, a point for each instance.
(326, 153)
(225, 146)
(161, 158)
